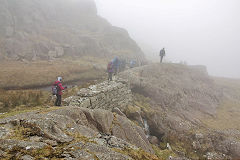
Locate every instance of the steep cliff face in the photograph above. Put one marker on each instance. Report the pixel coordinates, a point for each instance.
(32, 29)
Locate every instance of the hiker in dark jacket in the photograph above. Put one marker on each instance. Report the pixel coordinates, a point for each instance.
(162, 54)
(132, 63)
(116, 64)
(110, 71)
(60, 88)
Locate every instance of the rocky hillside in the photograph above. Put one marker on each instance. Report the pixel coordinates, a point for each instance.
(188, 109)
(70, 133)
(43, 30)
(104, 121)
(79, 131)
(157, 111)
(178, 88)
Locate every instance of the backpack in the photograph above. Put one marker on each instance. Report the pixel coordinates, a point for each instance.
(55, 89)
(109, 67)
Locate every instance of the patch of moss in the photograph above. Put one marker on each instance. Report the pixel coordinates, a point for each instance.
(80, 138)
(132, 109)
(163, 145)
(24, 109)
(144, 103)
(47, 152)
(163, 154)
(93, 154)
(46, 110)
(137, 154)
(20, 133)
(183, 146)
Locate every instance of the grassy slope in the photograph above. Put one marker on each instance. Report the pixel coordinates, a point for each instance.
(228, 113)
(43, 73)
(228, 117)
(19, 101)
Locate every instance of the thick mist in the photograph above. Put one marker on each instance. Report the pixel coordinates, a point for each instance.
(205, 32)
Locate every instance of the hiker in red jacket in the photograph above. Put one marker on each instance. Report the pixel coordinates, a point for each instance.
(57, 90)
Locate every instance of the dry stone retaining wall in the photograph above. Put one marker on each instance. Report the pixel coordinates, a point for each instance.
(106, 95)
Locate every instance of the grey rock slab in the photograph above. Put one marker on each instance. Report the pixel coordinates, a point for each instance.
(101, 152)
(118, 111)
(9, 144)
(27, 157)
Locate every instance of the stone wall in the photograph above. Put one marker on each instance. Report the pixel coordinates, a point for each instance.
(102, 96)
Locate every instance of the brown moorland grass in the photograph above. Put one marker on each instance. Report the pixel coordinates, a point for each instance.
(228, 117)
(228, 112)
(27, 98)
(15, 74)
(18, 101)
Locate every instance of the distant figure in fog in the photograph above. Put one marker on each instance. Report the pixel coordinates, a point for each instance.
(162, 54)
(110, 70)
(132, 63)
(57, 89)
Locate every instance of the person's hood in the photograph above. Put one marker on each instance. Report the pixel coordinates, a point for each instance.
(59, 79)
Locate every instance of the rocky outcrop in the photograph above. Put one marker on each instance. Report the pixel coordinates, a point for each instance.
(179, 98)
(32, 30)
(106, 95)
(84, 133)
(185, 94)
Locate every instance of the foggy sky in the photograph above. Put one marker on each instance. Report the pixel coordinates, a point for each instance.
(205, 32)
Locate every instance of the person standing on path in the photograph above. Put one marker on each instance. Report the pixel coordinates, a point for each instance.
(162, 54)
(58, 88)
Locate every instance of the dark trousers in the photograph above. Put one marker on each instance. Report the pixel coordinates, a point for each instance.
(115, 70)
(110, 76)
(58, 100)
(161, 59)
